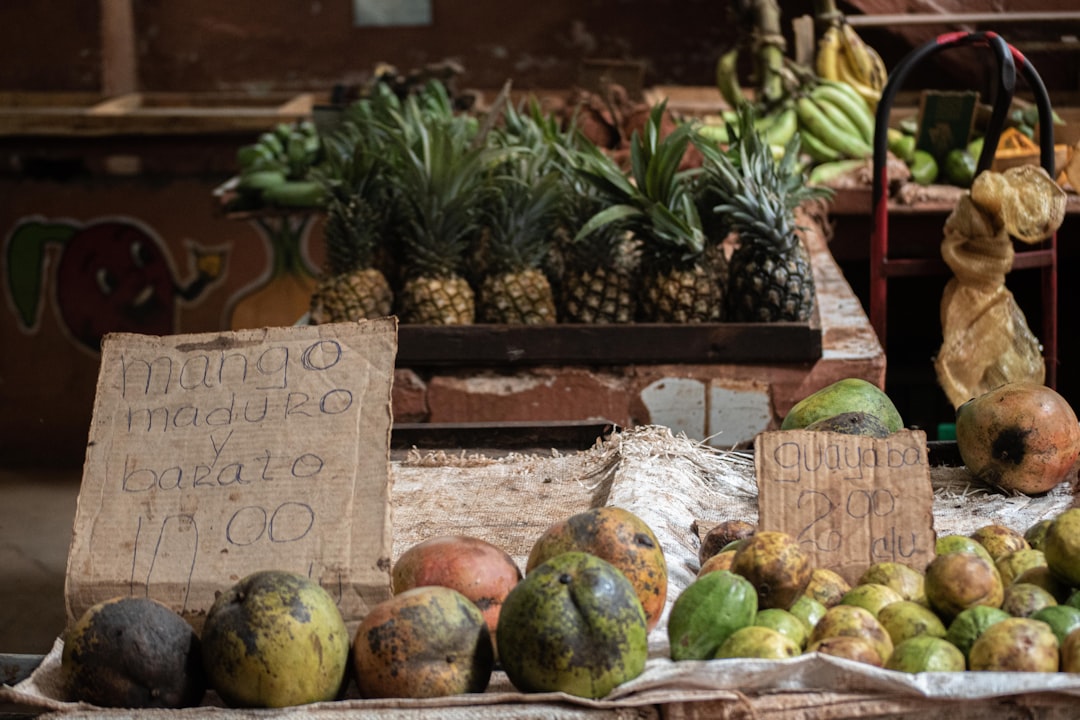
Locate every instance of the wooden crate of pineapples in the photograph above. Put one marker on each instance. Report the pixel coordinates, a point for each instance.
(514, 227)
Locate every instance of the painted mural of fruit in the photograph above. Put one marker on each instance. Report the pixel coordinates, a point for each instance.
(619, 537)
(1062, 547)
(430, 641)
(959, 580)
(275, 639)
(1021, 436)
(1016, 645)
(776, 566)
(708, 611)
(575, 625)
(476, 568)
(135, 653)
(844, 396)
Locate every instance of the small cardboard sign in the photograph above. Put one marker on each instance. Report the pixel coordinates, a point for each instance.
(215, 455)
(849, 500)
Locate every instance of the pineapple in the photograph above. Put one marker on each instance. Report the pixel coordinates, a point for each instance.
(350, 289)
(601, 283)
(440, 180)
(520, 225)
(681, 285)
(769, 273)
(352, 286)
(521, 218)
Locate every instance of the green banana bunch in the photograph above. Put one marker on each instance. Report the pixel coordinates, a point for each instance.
(274, 170)
(727, 79)
(842, 56)
(834, 123)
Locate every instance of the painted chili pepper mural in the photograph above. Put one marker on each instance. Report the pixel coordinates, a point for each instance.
(111, 275)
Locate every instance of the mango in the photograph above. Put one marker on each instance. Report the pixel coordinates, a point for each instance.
(133, 652)
(275, 639)
(425, 642)
(479, 570)
(1022, 436)
(621, 538)
(574, 625)
(844, 396)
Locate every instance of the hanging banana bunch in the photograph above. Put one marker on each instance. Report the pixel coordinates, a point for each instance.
(775, 83)
(844, 57)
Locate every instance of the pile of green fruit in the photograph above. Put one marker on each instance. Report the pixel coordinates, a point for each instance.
(577, 622)
(276, 170)
(997, 600)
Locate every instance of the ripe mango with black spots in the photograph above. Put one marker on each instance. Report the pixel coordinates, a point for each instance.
(844, 396)
(429, 641)
(275, 639)
(574, 625)
(621, 538)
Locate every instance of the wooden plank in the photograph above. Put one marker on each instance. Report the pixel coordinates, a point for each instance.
(639, 343)
(117, 105)
(119, 74)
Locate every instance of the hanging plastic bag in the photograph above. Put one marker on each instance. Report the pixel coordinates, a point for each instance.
(987, 341)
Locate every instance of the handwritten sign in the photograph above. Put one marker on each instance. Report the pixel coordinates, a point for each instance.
(849, 500)
(215, 455)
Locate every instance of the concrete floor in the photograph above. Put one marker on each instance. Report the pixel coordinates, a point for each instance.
(36, 516)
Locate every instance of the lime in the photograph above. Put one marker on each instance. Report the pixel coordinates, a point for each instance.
(959, 167)
(924, 168)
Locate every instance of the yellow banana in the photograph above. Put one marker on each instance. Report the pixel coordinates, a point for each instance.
(727, 78)
(857, 52)
(879, 75)
(848, 77)
(827, 51)
(814, 119)
(845, 99)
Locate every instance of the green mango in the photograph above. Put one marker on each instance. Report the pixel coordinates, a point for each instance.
(844, 396)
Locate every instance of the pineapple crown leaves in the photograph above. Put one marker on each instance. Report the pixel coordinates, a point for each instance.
(757, 193)
(654, 200)
(442, 184)
(521, 215)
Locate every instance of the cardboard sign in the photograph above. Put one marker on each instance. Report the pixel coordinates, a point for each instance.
(215, 455)
(849, 500)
